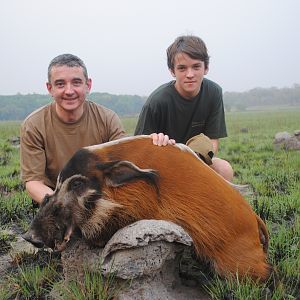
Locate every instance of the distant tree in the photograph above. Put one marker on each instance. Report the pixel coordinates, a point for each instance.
(227, 107)
(17, 107)
(264, 97)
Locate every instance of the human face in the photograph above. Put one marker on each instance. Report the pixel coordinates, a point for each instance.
(69, 88)
(189, 74)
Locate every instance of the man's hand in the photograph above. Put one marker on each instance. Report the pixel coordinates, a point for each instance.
(37, 190)
(161, 139)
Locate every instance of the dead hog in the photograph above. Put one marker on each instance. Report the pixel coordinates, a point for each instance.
(106, 187)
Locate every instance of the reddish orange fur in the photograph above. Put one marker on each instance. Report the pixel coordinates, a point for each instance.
(223, 226)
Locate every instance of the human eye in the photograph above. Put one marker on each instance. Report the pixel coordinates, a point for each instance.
(77, 82)
(197, 67)
(59, 84)
(181, 68)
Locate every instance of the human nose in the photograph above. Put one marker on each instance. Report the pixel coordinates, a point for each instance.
(69, 88)
(189, 72)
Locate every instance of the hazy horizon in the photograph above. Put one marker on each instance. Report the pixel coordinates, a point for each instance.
(112, 93)
(252, 44)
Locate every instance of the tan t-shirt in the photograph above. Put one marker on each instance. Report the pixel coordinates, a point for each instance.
(47, 143)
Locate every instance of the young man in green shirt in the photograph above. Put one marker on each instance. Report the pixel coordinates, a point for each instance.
(189, 105)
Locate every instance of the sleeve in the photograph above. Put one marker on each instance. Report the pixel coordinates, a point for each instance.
(32, 154)
(115, 128)
(215, 126)
(148, 121)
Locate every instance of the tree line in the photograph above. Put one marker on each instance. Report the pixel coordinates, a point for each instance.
(17, 107)
(262, 97)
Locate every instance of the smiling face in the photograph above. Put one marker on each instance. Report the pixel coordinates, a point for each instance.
(189, 74)
(69, 87)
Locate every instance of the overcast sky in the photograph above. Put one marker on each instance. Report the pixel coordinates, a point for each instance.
(251, 43)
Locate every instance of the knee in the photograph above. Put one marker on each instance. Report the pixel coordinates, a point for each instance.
(223, 168)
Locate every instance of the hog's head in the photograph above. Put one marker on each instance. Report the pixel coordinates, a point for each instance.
(59, 214)
(49, 226)
(78, 191)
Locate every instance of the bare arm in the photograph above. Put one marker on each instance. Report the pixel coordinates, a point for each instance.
(37, 190)
(215, 143)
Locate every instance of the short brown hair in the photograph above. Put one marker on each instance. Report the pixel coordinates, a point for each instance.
(191, 45)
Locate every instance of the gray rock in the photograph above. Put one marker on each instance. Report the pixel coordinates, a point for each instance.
(18, 246)
(146, 253)
(15, 141)
(281, 137)
(283, 140)
(22, 246)
(297, 133)
(5, 264)
(143, 232)
(244, 130)
(292, 144)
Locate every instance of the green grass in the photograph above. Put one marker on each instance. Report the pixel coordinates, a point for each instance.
(273, 175)
(93, 287)
(31, 280)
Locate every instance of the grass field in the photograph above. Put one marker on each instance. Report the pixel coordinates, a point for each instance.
(274, 178)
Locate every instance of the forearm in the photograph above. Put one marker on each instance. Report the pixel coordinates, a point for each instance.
(215, 146)
(37, 190)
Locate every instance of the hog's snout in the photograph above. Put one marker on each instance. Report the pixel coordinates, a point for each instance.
(29, 237)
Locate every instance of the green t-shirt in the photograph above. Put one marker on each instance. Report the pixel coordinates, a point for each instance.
(168, 112)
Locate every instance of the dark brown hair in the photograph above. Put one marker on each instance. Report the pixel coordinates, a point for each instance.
(191, 45)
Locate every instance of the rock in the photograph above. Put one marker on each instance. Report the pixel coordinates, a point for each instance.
(5, 264)
(146, 253)
(297, 133)
(281, 137)
(15, 141)
(17, 247)
(143, 232)
(22, 246)
(283, 140)
(292, 144)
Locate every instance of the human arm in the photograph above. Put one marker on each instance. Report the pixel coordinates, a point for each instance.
(115, 128)
(33, 162)
(37, 190)
(215, 143)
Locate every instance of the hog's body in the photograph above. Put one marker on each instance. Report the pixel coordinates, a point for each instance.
(106, 187)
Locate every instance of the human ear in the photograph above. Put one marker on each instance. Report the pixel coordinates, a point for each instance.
(89, 84)
(49, 87)
(172, 73)
(206, 70)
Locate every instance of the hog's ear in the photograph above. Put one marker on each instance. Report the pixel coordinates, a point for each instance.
(118, 173)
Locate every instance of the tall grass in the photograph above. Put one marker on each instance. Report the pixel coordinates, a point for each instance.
(273, 175)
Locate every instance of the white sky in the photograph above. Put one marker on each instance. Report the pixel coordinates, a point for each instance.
(251, 43)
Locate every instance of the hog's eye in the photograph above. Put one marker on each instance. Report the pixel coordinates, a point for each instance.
(76, 184)
(45, 200)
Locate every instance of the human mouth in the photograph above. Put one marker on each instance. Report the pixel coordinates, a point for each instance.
(70, 100)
